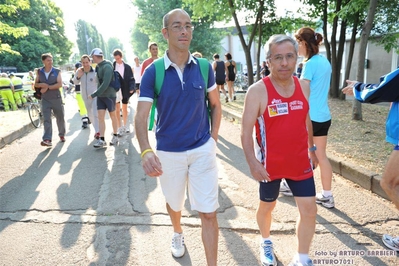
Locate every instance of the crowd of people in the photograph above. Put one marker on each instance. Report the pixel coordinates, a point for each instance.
(289, 114)
(12, 91)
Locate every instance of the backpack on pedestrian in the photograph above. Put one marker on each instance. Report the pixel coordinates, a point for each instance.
(116, 81)
(159, 77)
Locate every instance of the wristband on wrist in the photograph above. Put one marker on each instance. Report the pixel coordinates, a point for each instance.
(313, 148)
(145, 151)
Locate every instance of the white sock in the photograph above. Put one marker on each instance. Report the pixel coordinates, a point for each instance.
(264, 239)
(302, 258)
(326, 193)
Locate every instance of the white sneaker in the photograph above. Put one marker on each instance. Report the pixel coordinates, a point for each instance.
(391, 242)
(266, 251)
(327, 202)
(99, 144)
(285, 189)
(178, 247)
(114, 140)
(120, 132)
(127, 130)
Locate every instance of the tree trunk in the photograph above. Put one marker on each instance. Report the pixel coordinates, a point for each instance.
(357, 108)
(334, 58)
(261, 3)
(350, 52)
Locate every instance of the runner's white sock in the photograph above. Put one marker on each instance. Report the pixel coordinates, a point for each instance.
(302, 258)
(264, 239)
(326, 193)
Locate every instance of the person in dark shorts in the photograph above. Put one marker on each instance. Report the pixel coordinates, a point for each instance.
(231, 71)
(278, 107)
(220, 75)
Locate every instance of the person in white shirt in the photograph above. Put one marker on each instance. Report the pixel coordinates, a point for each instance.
(137, 74)
(126, 91)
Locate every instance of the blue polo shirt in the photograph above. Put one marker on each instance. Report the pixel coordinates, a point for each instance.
(318, 70)
(182, 120)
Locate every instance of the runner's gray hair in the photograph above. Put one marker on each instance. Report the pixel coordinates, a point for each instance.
(278, 39)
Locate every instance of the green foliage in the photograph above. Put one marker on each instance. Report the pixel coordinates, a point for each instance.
(139, 43)
(114, 43)
(41, 24)
(206, 39)
(89, 38)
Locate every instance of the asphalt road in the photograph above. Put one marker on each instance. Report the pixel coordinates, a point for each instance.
(76, 205)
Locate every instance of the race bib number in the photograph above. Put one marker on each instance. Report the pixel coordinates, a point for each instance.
(278, 109)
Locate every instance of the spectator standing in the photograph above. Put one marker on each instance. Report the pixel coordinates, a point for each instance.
(85, 76)
(264, 70)
(299, 70)
(137, 74)
(106, 97)
(79, 99)
(385, 91)
(7, 92)
(231, 71)
(127, 89)
(49, 81)
(153, 49)
(186, 137)
(317, 73)
(18, 90)
(278, 108)
(220, 75)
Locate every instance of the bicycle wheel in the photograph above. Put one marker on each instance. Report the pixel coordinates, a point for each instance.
(237, 86)
(34, 115)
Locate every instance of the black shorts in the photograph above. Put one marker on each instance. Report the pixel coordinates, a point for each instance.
(220, 82)
(268, 191)
(232, 77)
(104, 103)
(321, 129)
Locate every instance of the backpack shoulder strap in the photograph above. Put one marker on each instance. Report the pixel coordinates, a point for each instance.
(204, 67)
(159, 75)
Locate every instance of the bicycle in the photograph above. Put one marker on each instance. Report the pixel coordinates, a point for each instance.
(241, 83)
(34, 110)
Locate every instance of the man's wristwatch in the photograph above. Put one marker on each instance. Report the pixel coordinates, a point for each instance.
(314, 148)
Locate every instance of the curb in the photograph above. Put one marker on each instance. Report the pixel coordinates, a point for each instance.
(358, 175)
(8, 139)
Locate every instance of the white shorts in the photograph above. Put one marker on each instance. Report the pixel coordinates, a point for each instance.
(195, 169)
(119, 96)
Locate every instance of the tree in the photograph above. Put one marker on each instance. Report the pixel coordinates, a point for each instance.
(42, 19)
(254, 10)
(139, 42)
(11, 9)
(357, 107)
(89, 38)
(30, 48)
(149, 23)
(112, 44)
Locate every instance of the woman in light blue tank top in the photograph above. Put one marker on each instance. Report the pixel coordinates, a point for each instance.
(317, 71)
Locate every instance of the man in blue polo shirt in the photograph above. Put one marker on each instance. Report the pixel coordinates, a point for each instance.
(186, 138)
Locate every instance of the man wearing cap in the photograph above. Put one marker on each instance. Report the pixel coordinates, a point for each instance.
(106, 96)
(6, 92)
(81, 104)
(18, 89)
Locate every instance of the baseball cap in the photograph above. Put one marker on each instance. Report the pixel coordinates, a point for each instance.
(96, 51)
(11, 74)
(78, 64)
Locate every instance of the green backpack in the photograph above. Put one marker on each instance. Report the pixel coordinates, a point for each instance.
(159, 77)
